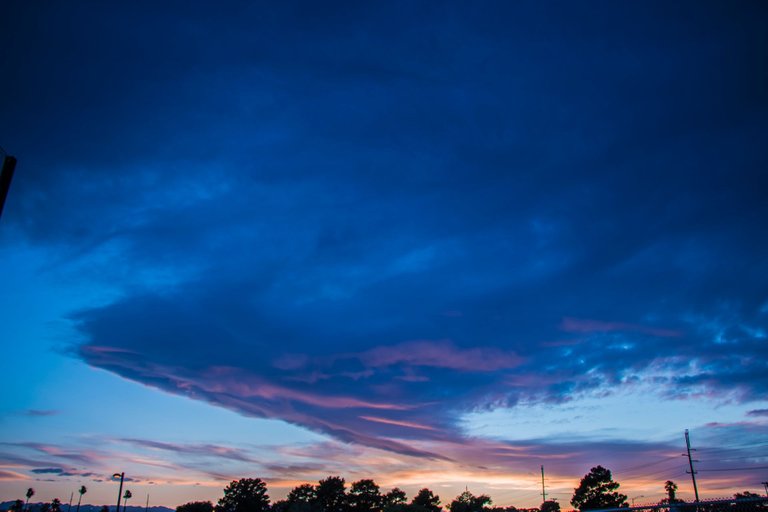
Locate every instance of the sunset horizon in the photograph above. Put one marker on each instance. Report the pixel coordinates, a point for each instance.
(435, 245)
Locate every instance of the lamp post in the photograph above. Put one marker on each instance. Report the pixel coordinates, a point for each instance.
(120, 492)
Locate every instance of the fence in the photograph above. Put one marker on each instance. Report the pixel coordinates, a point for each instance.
(728, 505)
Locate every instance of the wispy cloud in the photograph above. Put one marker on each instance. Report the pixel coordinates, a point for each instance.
(592, 326)
(11, 475)
(207, 450)
(41, 412)
(440, 354)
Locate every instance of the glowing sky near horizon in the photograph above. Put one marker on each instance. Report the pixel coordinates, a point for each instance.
(433, 244)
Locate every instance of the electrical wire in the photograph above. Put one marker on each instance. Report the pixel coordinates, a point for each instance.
(672, 464)
(739, 448)
(753, 468)
(632, 468)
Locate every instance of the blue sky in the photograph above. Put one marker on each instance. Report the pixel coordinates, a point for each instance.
(433, 244)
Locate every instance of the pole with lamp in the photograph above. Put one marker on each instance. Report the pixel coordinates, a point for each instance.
(121, 476)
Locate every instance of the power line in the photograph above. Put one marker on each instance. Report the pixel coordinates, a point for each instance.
(671, 466)
(733, 449)
(738, 458)
(648, 464)
(753, 468)
(669, 472)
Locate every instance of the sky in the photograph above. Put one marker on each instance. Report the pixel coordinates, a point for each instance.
(437, 244)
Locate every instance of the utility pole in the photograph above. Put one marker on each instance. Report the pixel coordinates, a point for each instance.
(543, 492)
(765, 484)
(9, 164)
(119, 492)
(690, 463)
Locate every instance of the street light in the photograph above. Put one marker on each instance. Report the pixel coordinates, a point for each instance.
(120, 492)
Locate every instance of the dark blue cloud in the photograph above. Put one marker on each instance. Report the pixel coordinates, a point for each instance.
(48, 470)
(369, 220)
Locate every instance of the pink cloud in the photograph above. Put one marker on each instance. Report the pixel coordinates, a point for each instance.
(407, 424)
(12, 475)
(246, 386)
(581, 325)
(105, 349)
(440, 354)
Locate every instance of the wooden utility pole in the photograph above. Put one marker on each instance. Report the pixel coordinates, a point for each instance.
(690, 463)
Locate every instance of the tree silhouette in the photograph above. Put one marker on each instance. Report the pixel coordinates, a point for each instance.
(746, 495)
(82, 490)
(104, 508)
(671, 488)
(598, 490)
(302, 498)
(364, 496)
(754, 503)
(30, 493)
(17, 506)
(55, 505)
(425, 501)
(304, 493)
(394, 501)
(330, 495)
(468, 502)
(280, 506)
(196, 506)
(550, 506)
(244, 495)
(45, 507)
(126, 496)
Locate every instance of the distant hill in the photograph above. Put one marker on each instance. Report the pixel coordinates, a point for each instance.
(35, 507)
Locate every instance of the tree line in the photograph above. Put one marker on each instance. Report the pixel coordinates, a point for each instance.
(596, 490)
